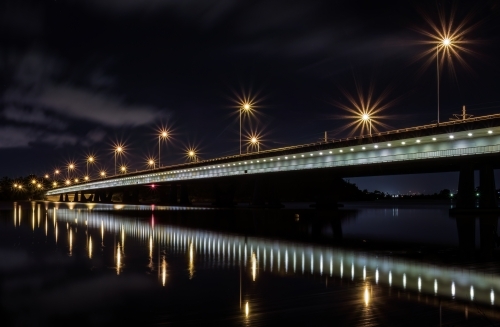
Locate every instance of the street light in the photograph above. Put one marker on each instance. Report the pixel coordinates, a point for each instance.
(71, 166)
(367, 120)
(56, 172)
(151, 163)
(102, 174)
(90, 159)
(164, 135)
(445, 43)
(119, 151)
(247, 108)
(123, 169)
(253, 142)
(191, 153)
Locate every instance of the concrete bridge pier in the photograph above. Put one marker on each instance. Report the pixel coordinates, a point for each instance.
(61, 197)
(83, 199)
(184, 195)
(466, 198)
(75, 197)
(100, 197)
(224, 195)
(162, 194)
(128, 196)
(265, 193)
(273, 198)
(66, 197)
(488, 193)
(172, 195)
(109, 197)
(327, 193)
(258, 198)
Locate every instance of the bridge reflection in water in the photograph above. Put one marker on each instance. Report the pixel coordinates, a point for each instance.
(263, 255)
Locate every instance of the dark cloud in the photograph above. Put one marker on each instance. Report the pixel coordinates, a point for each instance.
(33, 116)
(38, 99)
(22, 137)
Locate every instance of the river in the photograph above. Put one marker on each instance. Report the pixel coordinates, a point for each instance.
(368, 263)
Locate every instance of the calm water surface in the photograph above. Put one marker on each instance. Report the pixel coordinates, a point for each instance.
(368, 264)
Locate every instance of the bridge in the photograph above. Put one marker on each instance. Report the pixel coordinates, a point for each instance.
(464, 146)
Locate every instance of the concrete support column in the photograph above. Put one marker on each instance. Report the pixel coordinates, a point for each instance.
(273, 197)
(76, 198)
(66, 197)
(125, 196)
(487, 196)
(184, 196)
(134, 196)
(82, 197)
(258, 193)
(61, 197)
(224, 196)
(327, 193)
(172, 195)
(162, 194)
(466, 198)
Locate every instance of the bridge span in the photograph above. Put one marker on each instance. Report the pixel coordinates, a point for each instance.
(462, 146)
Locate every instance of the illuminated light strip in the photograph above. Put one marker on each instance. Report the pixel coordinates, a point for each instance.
(317, 163)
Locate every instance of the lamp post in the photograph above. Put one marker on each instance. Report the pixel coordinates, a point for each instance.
(123, 169)
(71, 166)
(118, 150)
(366, 118)
(163, 136)
(56, 172)
(102, 174)
(90, 159)
(446, 42)
(246, 107)
(152, 163)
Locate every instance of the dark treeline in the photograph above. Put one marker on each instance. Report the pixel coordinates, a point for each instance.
(31, 187)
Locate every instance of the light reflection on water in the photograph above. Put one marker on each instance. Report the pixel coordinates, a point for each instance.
(425, 277)
(223, 250)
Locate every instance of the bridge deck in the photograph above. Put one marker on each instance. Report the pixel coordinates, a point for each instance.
(473, 137)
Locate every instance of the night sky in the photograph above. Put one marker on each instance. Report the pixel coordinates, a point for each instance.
(77, 76)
